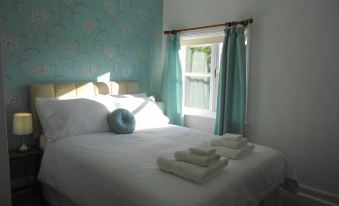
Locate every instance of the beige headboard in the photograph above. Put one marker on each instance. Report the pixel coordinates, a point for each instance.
(75, 90)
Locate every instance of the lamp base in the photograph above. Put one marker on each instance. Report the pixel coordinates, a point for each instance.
(23, 147)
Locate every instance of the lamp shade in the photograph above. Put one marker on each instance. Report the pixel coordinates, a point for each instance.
(22, 124)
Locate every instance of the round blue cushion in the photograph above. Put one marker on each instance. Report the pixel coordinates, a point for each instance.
(121, 121)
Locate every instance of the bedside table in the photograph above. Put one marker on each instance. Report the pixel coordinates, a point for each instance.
(24, 167)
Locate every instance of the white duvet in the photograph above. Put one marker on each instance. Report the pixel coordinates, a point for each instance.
(109, 169)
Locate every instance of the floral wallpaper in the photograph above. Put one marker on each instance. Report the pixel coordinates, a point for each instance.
(78, 40)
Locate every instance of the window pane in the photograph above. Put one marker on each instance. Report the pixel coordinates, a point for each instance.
(197, 92)
(216, 86)
(220, 53)
(198, 59)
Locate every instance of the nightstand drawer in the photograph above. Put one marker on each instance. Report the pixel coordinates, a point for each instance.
(24, 167)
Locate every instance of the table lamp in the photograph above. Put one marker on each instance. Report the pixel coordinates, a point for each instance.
(22, 125)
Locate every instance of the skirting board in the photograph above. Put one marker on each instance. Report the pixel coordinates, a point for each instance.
(319, 194)
(308, 196)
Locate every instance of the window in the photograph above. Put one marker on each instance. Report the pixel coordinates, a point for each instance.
(200, 60)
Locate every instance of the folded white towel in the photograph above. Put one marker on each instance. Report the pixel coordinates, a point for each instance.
(192, 172)
(202, 151)
(201, 160)
(232, 144)
(232, 137)
(235, 153)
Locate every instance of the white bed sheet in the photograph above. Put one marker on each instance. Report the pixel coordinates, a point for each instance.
(109, 169)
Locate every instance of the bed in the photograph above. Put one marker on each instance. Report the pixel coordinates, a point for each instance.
(105, 168)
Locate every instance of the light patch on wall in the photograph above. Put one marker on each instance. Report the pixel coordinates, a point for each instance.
(105, 77)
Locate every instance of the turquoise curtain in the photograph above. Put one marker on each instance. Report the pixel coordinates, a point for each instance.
(231, 100)
(171, 85)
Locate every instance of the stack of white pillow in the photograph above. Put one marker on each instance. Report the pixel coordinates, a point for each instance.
(72, 117)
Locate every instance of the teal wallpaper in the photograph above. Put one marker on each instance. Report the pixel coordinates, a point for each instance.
(79, 40)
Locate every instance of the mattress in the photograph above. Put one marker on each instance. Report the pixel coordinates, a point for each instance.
(110, 169)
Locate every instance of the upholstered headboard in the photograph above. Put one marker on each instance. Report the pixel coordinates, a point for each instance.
(75, 90)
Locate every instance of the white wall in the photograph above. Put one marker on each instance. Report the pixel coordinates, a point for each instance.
(5, 198)
(294, 77)
(205, 124)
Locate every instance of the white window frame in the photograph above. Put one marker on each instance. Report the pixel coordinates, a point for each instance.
(213, 75)
(210, 113)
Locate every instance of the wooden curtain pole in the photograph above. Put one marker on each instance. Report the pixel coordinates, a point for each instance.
(227, 24)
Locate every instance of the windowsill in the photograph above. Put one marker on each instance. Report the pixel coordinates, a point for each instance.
(199, 113)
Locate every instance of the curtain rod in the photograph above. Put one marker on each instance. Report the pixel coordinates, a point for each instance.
(227, 24)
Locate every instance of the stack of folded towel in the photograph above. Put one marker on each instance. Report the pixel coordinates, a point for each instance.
(233, 146)
(198, 164)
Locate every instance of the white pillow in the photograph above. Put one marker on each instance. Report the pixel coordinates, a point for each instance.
(65, 118)
(138, 95)
(146, 112)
